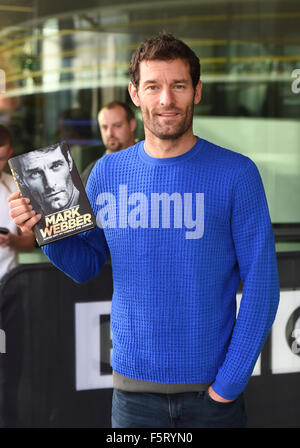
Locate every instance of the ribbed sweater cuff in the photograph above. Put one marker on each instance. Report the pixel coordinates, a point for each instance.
(226, 390)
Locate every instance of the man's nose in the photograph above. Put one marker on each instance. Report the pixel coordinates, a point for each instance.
(166, 97)
(48, 180)
(110, 131)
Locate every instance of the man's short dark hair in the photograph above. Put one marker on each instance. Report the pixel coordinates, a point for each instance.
(5, 136)
(62, 146)
(19, 162)
(164, 47)
(126, 107)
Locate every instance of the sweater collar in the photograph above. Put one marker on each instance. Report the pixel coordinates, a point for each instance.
(168, 160)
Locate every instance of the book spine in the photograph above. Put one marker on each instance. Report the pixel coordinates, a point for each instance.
(14, 176)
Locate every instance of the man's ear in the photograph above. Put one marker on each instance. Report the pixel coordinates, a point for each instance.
(132, 89)
(10, 152)
(198, 93)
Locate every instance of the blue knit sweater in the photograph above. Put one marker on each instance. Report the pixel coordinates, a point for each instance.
(182, 233)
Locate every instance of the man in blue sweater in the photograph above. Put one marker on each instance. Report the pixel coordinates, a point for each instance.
(185, 221)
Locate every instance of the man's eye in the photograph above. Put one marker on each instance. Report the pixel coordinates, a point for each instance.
(34, 174)
(56, 165)
(179, 86)
(151, 88)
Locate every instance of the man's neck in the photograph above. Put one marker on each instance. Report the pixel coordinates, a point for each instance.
(161, 149)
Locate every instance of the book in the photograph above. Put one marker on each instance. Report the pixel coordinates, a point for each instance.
(49, 178)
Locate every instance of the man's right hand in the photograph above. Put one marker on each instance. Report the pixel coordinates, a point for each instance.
(22, 213)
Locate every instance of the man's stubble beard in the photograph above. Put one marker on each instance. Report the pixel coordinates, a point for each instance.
(114, 148)
(175, 132)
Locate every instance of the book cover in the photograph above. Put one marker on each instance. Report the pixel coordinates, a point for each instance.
(49, 178)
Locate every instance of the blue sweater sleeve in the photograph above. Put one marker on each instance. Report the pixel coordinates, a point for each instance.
(81, 256)
(255, 250)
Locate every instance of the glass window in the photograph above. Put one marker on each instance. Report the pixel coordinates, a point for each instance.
(62, 62)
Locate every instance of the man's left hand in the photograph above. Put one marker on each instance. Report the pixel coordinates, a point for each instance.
(216, 396)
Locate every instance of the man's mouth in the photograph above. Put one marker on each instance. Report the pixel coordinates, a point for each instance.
(51, 195)
(168, 114)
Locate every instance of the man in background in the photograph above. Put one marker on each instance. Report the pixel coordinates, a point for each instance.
(11, 239)
(117, 125)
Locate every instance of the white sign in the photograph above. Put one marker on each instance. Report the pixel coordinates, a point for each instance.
(88, 337)
(257, 367)
(2, 341)
(286, 334)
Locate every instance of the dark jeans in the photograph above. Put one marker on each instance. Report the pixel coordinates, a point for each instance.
(183, 410)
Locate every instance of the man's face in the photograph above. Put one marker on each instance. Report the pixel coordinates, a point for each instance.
(5, 153)
(48, 176)
(117, 132)
(166, 97)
